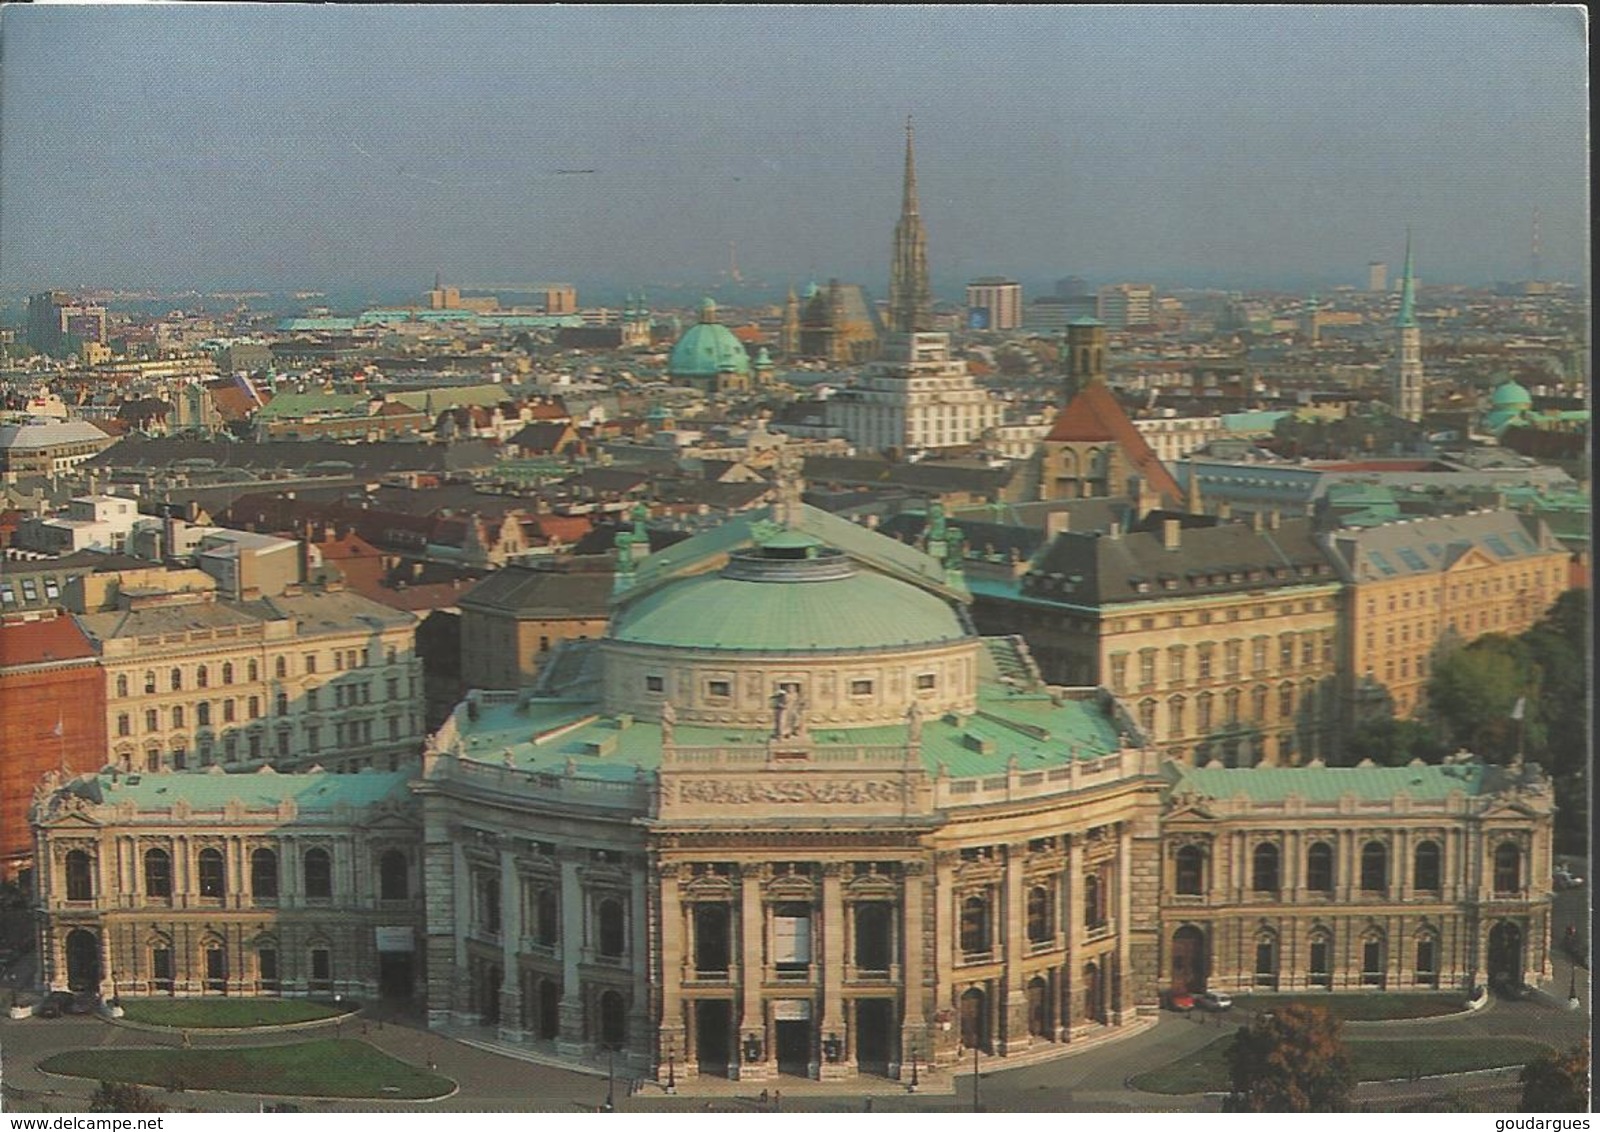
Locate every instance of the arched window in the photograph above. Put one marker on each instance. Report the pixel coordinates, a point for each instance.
(1039, 918)
(176, 679)
(1374, 867)
(177, 718)
(1093, 902)
(202, 677)
(1507, 867)
(80, 876)
(149, 683)
(549, 915)
(213, 875)
(1190, 871)
(1175, 708)
(394, 882)
(1425, 867)
(122, 685)
(252, 671)
(975, 925)
(1266, 972)
(1427, 973)
(1319, 867)
(1264, 868)
(318, 868)
(227, 672)
(1373, 959)
(157, 873)
(264, 874)
(1320, 972)
(611, 931)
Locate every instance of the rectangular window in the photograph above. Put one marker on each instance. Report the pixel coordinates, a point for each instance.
(719, 689)
(161, 968)
(861, 687)
(321, 969)
(313, 739)
(267, 968)
(311, 662)
(655, 684)
(926, 681)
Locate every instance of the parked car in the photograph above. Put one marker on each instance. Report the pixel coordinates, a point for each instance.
(1180, 1000)
(1214, 1000)
(55, 1004)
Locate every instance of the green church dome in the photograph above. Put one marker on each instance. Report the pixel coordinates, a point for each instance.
(784, 599)
(707, 349)
(1510, 395)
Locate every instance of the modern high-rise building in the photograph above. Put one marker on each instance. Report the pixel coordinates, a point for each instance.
(58, 324)
(1127, 304)
(1072, 287)
(910, 297)
(1407, 396)
(994, 303)
(1377, 277)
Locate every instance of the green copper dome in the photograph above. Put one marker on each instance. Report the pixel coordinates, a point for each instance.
(1510, 395)
(789, 598)
(707, 349)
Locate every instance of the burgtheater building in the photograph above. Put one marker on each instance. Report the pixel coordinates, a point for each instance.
(794, 815)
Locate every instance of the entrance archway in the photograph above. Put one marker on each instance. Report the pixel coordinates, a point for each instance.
(549, 1009)
(713, 1036)
(1039, 1008)
(875, 1022)
(1094, 993)
(83, 960)
(1505, 956)
(975, 1019)
(1188, 959)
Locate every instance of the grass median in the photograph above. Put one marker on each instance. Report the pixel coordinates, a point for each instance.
(331, 1068)
(1359, 1007)
(226, 1013)
(1206, 1069)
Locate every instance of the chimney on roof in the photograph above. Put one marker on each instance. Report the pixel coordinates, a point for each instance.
(1274, 519)
(1224, 510)
(1171, 533)
(1256, 521)
(1115, 530)
(1056, 523)
(1141, 500)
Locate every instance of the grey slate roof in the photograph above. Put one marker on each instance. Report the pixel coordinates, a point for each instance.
(1429, 545)
(528, 591)
(1091, 569)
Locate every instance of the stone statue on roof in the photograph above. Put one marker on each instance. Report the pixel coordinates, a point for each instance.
(788, 485)
(788, 714)
(914, 724)
(669, 717)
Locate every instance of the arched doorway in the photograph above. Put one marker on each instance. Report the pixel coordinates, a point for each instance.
(975, 1019)
(1039, 1008)
(83, 960)
(1188, 959)
(613, 1020)
(1505, 956)
(1094, 993)
(549, 1009)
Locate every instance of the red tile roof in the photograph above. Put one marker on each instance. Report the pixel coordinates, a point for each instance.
(42, 641)
(1094, 415)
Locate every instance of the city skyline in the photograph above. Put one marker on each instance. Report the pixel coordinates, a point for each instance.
(327, 148)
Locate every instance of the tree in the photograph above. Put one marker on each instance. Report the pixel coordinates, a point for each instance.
(1394, 742)
(1557, 1082)
(1292, 1060)
(120, 1096)
(1474, 691)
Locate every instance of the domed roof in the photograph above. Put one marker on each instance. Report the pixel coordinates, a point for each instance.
(1509, 394)
(792, 595)
(707, 348)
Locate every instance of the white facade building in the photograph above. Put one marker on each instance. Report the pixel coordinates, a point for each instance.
(918, 396)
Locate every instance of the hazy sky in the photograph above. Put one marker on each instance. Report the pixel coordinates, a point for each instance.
(322, 147)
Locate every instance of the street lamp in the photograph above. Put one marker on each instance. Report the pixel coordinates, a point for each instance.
(672, 1074)
(915, 1080)
(611, 1079)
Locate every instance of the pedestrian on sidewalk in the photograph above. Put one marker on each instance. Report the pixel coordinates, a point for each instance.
(777, 1101)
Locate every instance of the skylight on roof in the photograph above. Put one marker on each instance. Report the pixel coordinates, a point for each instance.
(1412, 559)
(1381, 562)
(1498, 545)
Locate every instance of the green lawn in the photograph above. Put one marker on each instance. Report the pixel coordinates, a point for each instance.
(1359, 1007)
(331, 1068)
(214, 1013)
(1206, 1070)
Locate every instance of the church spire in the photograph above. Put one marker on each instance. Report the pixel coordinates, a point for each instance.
(910, 300)
(1408, 290)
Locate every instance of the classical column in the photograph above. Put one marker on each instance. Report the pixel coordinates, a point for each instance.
(510, 946)
(462, 881)
(639, 1045)
(1014, 1013)
(913, 1022)
(945, 943)
(833, 967)
(571, 1040)
(1124, 922)
(752, 971)
(1075, 929)
(672, 1030)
